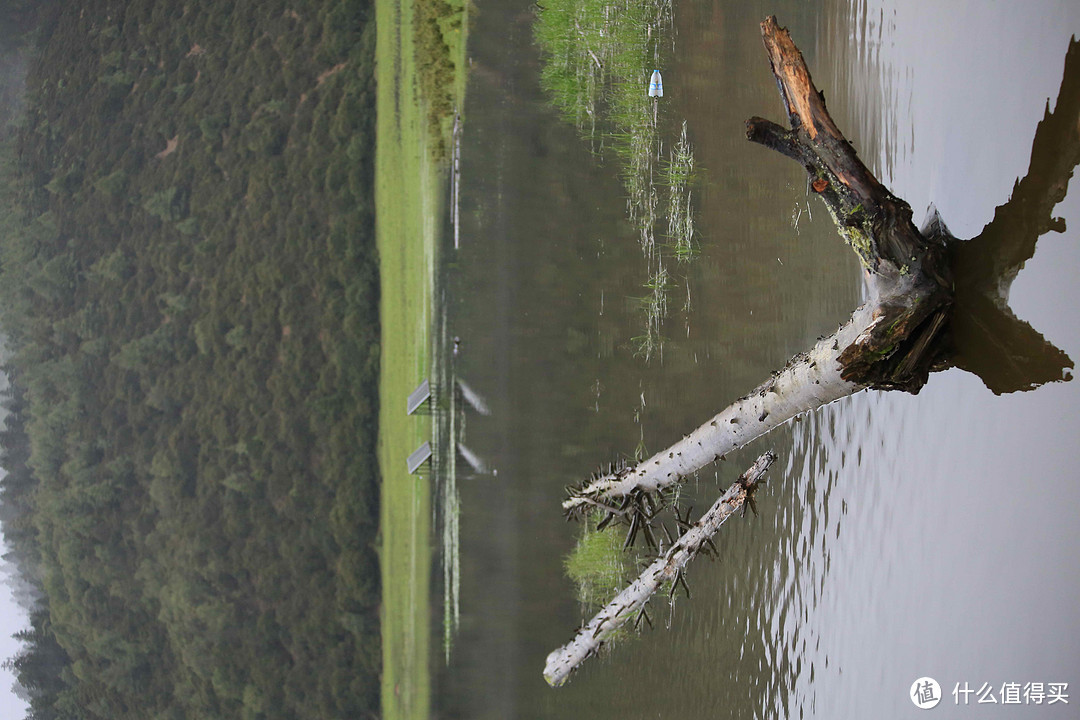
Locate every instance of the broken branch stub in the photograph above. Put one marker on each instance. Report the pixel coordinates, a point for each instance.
(908, 273)
(667, 568)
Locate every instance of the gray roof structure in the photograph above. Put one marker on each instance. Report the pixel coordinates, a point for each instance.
(418, 397)
(420, 456)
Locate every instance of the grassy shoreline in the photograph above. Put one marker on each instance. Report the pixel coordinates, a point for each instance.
(409, 199)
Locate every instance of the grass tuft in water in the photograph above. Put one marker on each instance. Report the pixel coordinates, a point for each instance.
(598, 566)
(678, 175)
(655, 307)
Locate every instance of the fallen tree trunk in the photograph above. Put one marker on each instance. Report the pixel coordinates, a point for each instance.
(668, 568)
(918, 319)
(809, 381)
(890, 343)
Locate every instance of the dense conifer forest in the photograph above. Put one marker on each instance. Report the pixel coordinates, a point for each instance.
(189, 291)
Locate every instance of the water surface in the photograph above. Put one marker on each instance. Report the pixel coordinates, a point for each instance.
(899, 536)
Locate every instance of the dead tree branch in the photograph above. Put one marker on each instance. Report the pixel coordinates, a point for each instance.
(890, 343)
(668, 568)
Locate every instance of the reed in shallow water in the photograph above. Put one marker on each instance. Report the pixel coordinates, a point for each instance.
(599, 56)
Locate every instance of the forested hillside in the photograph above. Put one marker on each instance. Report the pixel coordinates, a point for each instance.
(189, 284)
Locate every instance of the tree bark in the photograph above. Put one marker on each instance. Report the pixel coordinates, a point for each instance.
(889, 343)
(918, 318)
(809, 381)
(665, 569)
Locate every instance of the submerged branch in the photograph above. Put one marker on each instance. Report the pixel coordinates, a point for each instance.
(668, 568)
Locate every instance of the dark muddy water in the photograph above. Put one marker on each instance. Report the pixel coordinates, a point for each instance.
(899, 536)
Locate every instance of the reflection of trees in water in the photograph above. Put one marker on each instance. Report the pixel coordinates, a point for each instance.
(599, 55)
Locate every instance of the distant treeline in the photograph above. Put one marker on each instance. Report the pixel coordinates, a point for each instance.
(189, 288)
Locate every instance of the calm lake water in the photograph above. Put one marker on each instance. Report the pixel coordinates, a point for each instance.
(899, 536)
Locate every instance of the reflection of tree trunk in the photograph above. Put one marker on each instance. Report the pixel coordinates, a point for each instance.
(668, 568)
(1005, 352)
(918, 318)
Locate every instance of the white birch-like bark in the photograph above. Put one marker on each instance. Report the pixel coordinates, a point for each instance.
(809, 381)
(628, 603)
(890, 342)
(918, 320)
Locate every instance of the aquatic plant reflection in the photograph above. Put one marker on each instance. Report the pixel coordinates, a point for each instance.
(600, 57)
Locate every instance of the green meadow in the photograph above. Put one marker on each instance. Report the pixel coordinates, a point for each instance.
(215, 299)
(419, 56)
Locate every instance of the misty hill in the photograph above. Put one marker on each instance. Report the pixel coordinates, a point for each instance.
(189, 286)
